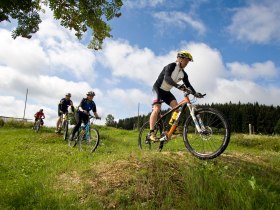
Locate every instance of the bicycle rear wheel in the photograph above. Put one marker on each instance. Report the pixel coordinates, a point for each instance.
(144, 141)
(65, 130)
(89, 143)
(213, 140)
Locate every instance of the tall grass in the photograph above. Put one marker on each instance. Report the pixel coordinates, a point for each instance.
(39, 171)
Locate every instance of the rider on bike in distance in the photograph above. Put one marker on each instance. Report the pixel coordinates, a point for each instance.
(39, 116)
(63, 109)
(168, 78)
(82, 115)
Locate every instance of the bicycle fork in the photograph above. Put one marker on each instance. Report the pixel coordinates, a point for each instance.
(196, 119)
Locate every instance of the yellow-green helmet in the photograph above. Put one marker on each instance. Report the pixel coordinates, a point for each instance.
(185, 54)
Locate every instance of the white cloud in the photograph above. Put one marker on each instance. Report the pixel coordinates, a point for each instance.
(50, 64)
(179, 19)
(244, 91)
(255, 71)
(142, 3)
(122, 103)
(23, 54)
(140, 65)
(257, 23)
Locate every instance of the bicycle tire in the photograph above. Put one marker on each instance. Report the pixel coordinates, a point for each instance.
(65, 130)
(214, 141)
(90, 143)
(144, 142)
(37, 126)
(72, 142)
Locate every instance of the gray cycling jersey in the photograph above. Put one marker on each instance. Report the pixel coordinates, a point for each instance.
(170, 76)
(177, 75)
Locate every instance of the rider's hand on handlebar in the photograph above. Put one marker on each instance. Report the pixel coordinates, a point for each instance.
(182, 87)
(198, 95)
(98, 118)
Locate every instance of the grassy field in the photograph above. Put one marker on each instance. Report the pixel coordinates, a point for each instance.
(39, 171)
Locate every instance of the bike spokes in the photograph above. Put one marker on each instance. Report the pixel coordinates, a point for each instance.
(212, 138)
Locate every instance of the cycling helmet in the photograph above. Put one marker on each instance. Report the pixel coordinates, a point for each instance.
(68, 94)
(40, 110)
(185, 54)
(90, 93)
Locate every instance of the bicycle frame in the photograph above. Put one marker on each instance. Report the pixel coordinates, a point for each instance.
(86, 127)
(183, 104)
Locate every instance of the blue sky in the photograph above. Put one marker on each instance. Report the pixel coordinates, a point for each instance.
(235, 45)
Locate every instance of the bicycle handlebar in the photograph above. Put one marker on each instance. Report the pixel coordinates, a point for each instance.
(91, 116)
(188, 91)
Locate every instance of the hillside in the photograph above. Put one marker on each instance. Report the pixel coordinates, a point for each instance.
(39, 171)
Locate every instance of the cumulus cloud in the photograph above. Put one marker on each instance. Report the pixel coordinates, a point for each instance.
(50, 64)
(258, 22)
(126, 61)
(254, 71)
(178, 19)
(142, 3)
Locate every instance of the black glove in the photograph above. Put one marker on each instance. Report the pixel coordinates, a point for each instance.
(182, 87)
(98, 118)
(198, 95)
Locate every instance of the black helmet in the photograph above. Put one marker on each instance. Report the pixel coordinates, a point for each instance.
(40, 110)
(90, 93)
(68, 94)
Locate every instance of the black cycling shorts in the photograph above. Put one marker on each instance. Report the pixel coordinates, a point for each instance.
(162, 95)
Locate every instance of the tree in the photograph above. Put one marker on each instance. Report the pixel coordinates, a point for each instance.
(77, 15)
(277, 127)
(110, 121)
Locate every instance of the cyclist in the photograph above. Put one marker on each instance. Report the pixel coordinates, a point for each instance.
(168, 78)
(82, 115)
(63, 109)
(39, 116)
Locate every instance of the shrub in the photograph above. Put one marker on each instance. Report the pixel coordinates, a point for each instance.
(18, 124)
(2, 122)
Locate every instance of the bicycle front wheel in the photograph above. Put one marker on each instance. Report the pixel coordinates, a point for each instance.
(89, 142)
(37, 126)
(144, 141)
(65, 129)
(213, 139)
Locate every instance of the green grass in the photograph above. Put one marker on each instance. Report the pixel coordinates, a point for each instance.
(39, 171)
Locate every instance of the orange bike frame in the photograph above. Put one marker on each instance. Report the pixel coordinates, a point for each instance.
(175, 124)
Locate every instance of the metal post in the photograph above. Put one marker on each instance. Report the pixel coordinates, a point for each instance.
(138, 117)
(250, 129)
(25, 104)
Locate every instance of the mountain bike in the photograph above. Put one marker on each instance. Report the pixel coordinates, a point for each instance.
(206, 131)
(64, 125)
(87, 137)
(38, 125)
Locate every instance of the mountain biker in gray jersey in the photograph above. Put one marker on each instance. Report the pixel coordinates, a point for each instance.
(168, 78)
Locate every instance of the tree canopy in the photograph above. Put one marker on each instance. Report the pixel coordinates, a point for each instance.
(77, 15)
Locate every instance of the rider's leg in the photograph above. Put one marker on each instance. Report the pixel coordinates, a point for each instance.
(58, 122)
(173, 103)
(153, 119)
(154, 115)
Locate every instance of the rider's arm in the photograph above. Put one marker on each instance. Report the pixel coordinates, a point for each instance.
(72, 106)
(80, 107)
(60, 105)
(187, 82)
(167, 75)
(96, 115)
